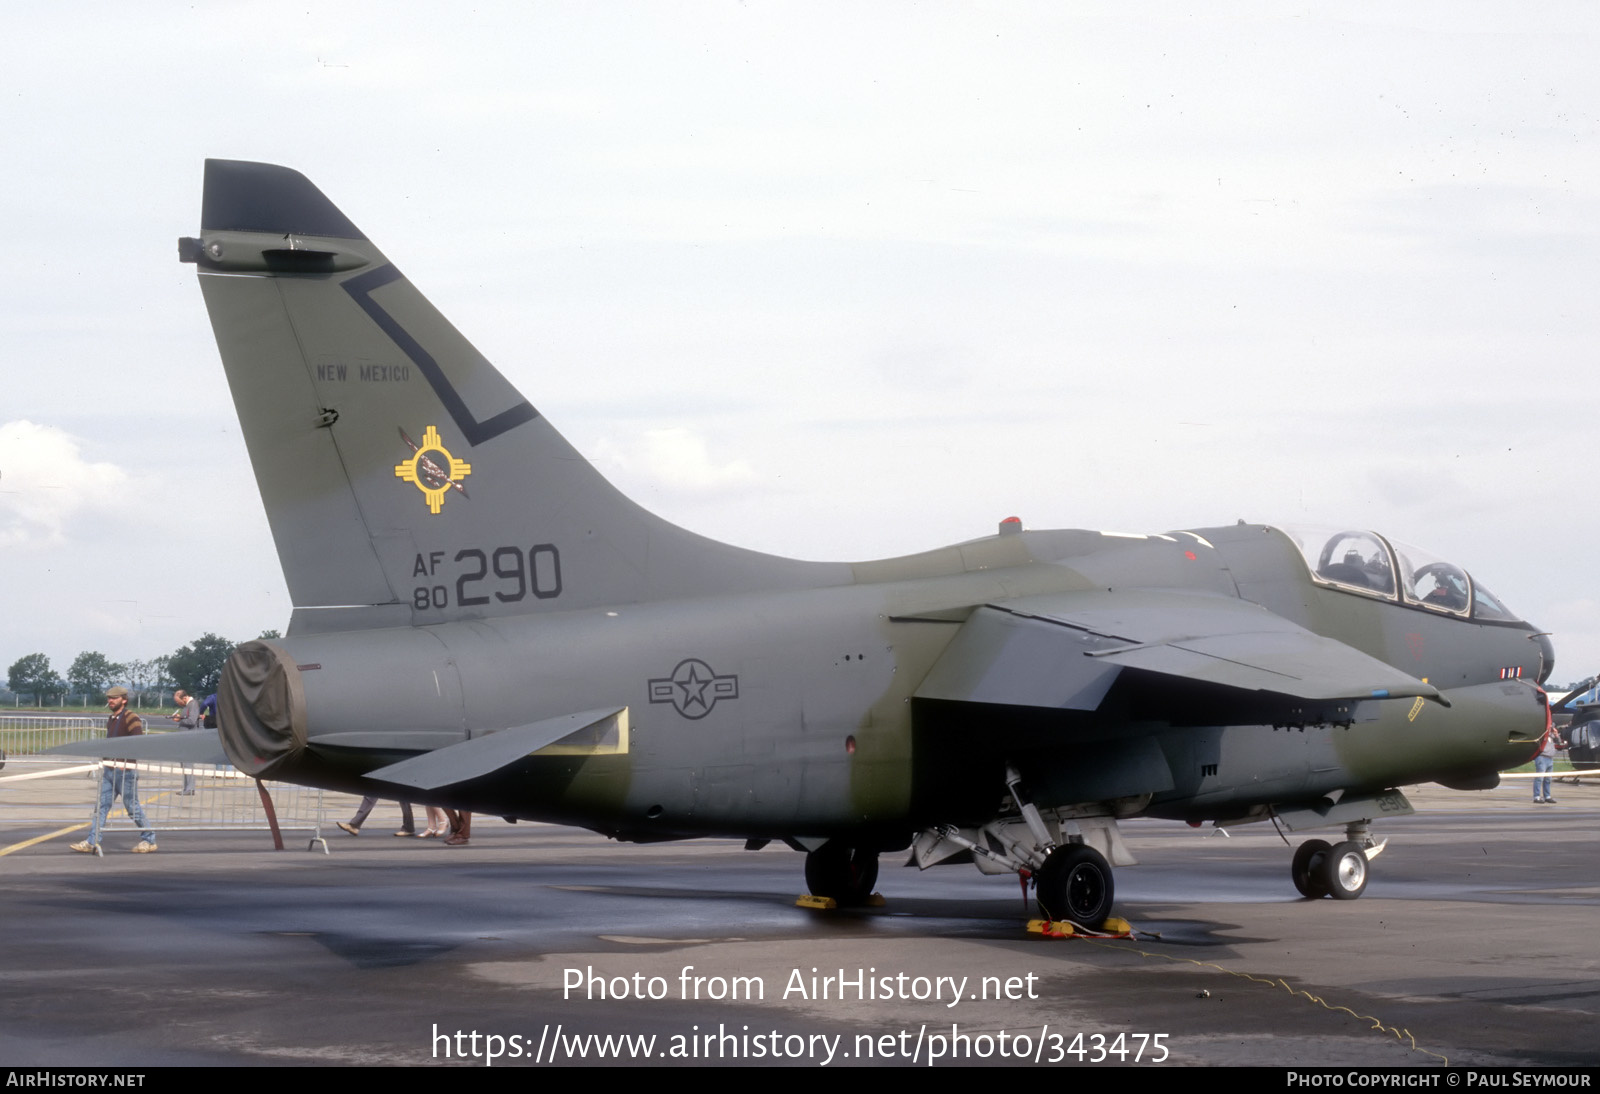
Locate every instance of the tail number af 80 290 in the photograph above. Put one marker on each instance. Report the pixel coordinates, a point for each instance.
(502, 574)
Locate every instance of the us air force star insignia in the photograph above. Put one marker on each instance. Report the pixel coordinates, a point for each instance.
(432, 469)
(693, 689)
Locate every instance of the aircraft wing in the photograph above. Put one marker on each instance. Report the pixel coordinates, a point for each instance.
(1066, 651)
(487, 754)
(185, 746)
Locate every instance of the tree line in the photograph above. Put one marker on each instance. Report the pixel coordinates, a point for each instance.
(195, 667)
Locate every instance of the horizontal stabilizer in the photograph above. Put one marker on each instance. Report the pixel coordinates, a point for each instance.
(485, 755)
(184, 746)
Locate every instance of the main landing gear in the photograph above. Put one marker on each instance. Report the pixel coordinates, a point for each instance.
(1339, 870)
(1075, 884)
(1066, 859)
(845, 873)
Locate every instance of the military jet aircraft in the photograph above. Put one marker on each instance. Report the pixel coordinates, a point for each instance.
(482, 621)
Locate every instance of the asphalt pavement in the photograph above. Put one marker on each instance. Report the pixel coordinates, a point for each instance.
(1474, 944)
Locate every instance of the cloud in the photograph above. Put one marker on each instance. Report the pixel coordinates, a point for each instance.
(675, 459)
(45, 482)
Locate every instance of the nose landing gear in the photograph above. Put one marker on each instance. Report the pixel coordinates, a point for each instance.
(1338, 870)
(1306, 869)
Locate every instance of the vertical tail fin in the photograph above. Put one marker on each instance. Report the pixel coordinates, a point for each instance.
(405, 479)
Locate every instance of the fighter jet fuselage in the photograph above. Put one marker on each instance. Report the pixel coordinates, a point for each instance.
(797, 711)
(483, 622)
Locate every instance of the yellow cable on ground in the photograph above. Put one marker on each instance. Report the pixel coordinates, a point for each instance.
(1402, 1035)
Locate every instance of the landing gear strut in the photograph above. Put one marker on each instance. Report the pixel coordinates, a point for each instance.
(1066, 859)
(1339, 870)
(845, 873)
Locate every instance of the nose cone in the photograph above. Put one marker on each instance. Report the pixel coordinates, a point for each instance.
(1547, 656)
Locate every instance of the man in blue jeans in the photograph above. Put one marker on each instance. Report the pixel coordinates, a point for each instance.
(115, 780)
(1544, 763)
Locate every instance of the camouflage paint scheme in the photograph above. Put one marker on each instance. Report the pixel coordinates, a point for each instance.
(481, 620)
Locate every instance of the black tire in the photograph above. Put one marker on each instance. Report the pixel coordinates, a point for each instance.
(1305, 870)
(1075, 884)
(1344, 871)
(845, 873)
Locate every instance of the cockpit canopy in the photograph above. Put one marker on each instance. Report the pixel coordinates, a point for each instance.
(1368, 564)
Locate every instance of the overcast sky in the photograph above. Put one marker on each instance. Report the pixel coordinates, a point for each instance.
(836, 281)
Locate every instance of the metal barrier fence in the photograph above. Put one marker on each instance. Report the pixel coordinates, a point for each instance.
(174, 798)
(30, 734)
(51, 718)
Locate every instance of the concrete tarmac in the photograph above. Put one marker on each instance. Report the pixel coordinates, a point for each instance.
(1474, 944)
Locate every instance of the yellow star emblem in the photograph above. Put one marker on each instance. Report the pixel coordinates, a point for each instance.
(432, 469)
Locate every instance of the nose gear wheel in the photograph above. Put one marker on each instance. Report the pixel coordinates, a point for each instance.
(1344, 871)
(1306, 868)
